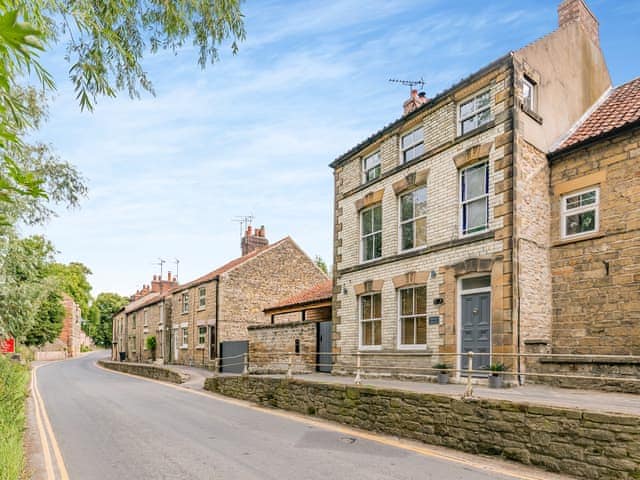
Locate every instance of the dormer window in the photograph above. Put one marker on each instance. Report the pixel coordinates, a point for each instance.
(371, 167)
(412, 145)
(475, 112)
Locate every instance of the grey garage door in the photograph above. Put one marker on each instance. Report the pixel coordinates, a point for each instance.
(232, 356)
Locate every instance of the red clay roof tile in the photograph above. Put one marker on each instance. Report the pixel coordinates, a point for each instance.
(621, 107)
(321, 291)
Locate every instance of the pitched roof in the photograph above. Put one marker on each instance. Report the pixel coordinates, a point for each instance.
(143, 302)
(620, 108)
(228, 266)
(430, 103)
(321, 291)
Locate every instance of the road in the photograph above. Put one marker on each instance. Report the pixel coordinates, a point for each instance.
(110, 426)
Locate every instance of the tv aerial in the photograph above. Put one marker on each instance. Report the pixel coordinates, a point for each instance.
(412, 84)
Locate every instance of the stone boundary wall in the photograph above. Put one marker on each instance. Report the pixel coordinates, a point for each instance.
(584, 444)
(144, 370)
(563, 367)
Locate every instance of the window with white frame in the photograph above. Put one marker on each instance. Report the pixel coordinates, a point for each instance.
(161, 313)
(474, 198)
(528, 94)
(412, 145)
(185, 337)
(371, 167)
(145, 317)
(413, 219)
(133, 344)
(202, 335)
(413, 316)
(474, 112)
(202, 297)
(580, 212)
(371, 320)
(133, 321)
(371, 233)
(185, 302)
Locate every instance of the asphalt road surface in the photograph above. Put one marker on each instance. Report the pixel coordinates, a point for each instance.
(112, 426)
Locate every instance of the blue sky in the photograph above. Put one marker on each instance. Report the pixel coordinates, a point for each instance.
(254, 133)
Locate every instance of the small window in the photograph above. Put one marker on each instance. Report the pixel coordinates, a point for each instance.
(161, 313)
(371, 167)
(185, 337)
(580, 213)
(413, 219)
(371, 320)
(474, 200)
(185, 302)
(371, 233)
(475, 112)
(528, 94)
(413, 316)
(476, 282)
(133, 344)
(133, 321)
(412, 145)
(202, 297)
(145, 316)
(202, 335)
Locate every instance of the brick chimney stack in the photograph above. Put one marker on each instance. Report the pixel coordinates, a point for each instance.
(253, 240)
(576, 11)
(159, 285)
(415, 100)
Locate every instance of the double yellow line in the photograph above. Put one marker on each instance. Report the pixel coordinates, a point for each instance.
(45, 432)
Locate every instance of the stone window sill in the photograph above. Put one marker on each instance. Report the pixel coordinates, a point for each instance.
(200, 347)
(537, 118)
(183, 347)
(581, 238)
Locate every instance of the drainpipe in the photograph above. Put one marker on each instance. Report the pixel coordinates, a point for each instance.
(515, 239)
(217, 279)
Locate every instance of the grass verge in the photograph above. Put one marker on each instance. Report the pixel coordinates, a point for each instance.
(14, 379)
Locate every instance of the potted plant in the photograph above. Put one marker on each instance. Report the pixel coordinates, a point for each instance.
(495, 379)
(443, 373)
(151, 346)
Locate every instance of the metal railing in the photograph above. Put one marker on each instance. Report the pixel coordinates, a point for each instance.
(516, 367)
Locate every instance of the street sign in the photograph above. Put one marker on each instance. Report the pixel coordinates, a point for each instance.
(7, 345)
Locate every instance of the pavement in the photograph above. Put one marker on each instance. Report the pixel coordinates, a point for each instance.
(111, 425)
(592, 400)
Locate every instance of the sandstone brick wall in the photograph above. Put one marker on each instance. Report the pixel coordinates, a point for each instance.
(534, 217)
(596, 279)
(277, 273)
(195, 317)
(145, 370)
(584, 444)
(270, 347)
(445, 245)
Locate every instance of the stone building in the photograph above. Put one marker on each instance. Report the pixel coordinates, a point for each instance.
(143, 317)
(442, 217)
(595, 245)
(298, 327)
(67, 345)
(212, 312)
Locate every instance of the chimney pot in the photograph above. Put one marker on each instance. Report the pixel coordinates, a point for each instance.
(168, 276)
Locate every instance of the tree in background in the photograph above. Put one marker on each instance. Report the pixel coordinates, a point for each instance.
(320, 263)
(72, 279)
(48, 321)
(105, 43)
(99, 324)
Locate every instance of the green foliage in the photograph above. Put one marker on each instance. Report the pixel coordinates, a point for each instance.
(497, 367)
(48, 322)
(105, 42)
(442, 366)
(99, 322)
(72, 279)
(84, 348)
(13, 392)
(151, 343)
(23, 268)
(320, 263)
